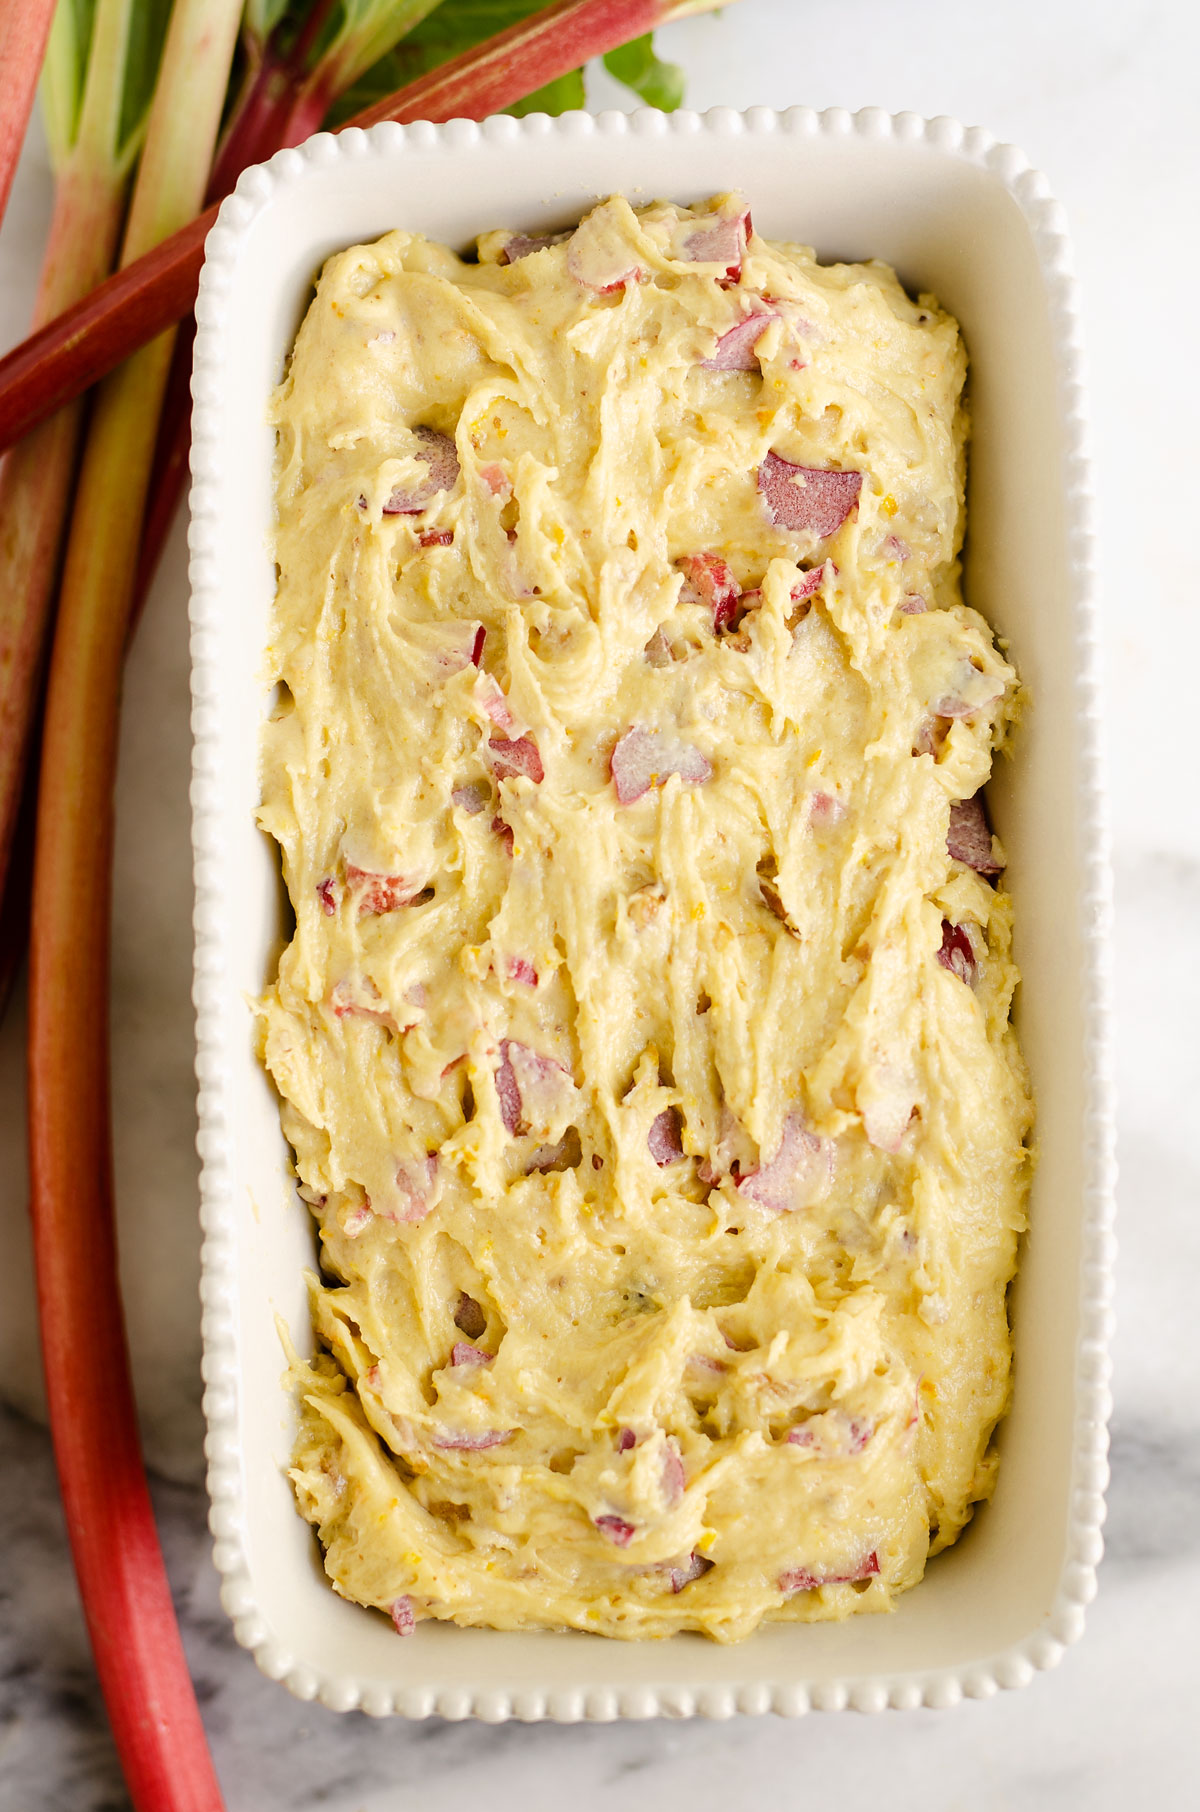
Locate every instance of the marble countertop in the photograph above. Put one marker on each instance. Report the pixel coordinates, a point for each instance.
(1103, 98)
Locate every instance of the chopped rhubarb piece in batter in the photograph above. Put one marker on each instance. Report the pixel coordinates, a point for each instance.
(708, 580)
(720, 239)
(402, 1616)
(802, 1579)
(617, 1530)
(646, 758)
(957, 953)
(735, 348)
(658, 650)
(969, 840)
(463, 1353)
(461, 646)
(825, 808)
(674, 1479)
(530, 1086)
(810, 582)
(797, 1175)
(473, 797)
(492, 702)
(664, 1137)
(508, 1094)
(626, 1440)
(496, 479)
(697, 1566)
(419, 1189)
(435, 537)
(327, 894)
(439, 453)
(505, 833)
(523, 245)
(515, 758)
(520, 969)
(807, 497)
(380, 893)
(453, 1440)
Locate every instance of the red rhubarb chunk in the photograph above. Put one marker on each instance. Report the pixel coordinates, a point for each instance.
(432, 537)
(458, 646)
(505, 833)
(735, 350)
(463, 1353)
(523, 245)
(514, 758)
(530, 1086)
(646, 758)
(402, 1616)
(809, 582)
(520, 969)
(802, 1579)
(664, 1137)
(617, 1530)
(440, 454)
(327, 894)
(508, 1093)
(719, 240)
(626, 1440)
(969, 840)
(798, 1173)
(708, 580)
(674, 1479)
(496, 479)
(378, 892)
(807, 497)
(957, 954)
(418, 1188)
(697, 1566)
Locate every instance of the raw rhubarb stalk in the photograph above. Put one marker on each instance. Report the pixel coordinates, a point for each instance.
(24, 29)
(123, 1584)
(156, 291)
(37, 477)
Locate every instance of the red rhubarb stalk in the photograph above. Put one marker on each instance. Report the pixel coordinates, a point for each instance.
(157, 290)
(123, 1584)
(92, 164)
(24, 30)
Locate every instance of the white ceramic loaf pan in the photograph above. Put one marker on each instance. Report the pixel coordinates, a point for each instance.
(956, 214)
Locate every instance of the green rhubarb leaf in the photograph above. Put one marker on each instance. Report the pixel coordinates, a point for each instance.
(455, 26)
(636, 65)
(563, 96)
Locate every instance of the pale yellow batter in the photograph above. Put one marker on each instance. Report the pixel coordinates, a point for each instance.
(644, 1037)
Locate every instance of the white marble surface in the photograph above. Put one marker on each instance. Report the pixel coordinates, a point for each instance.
(1102, 96)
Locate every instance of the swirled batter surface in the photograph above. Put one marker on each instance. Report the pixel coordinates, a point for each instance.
(644, 1037)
